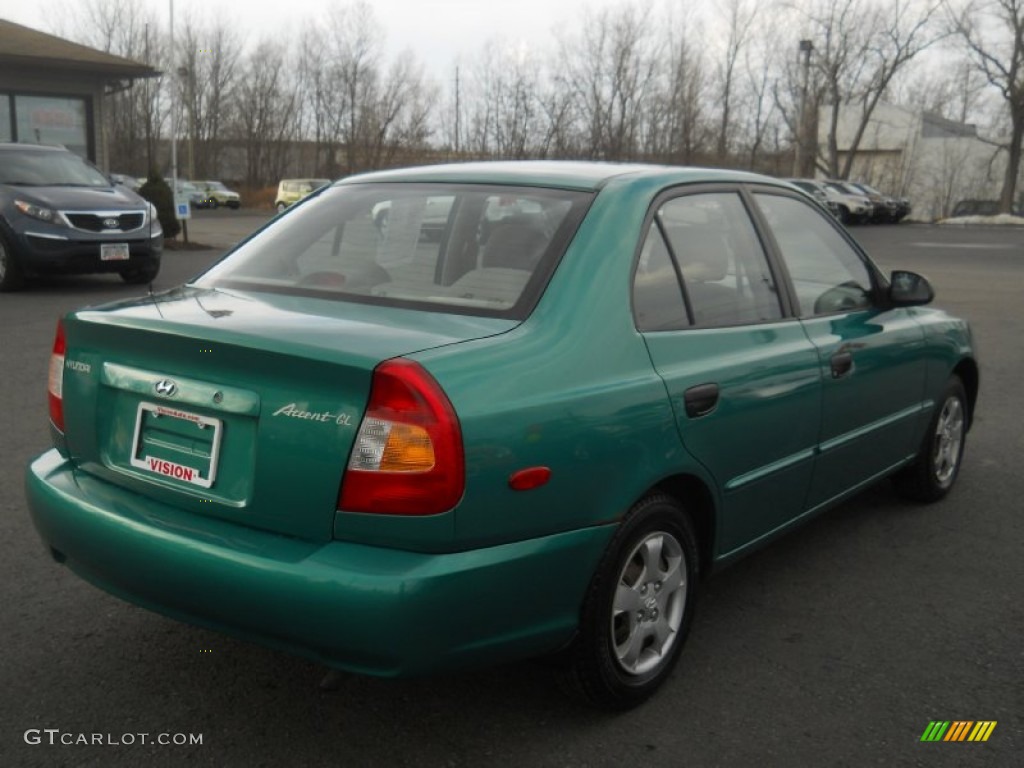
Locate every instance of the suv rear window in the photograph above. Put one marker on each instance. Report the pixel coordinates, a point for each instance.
(469, 249)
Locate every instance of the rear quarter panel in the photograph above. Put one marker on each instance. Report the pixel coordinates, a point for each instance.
(572, 389)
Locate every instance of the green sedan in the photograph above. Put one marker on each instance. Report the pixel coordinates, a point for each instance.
(526, 427)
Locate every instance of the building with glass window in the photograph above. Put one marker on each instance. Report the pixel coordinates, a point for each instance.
(53, 91)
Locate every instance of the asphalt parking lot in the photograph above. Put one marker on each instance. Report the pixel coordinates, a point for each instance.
(836, 646)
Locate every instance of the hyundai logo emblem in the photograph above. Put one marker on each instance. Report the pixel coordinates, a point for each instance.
(166, 388)
(111, 223)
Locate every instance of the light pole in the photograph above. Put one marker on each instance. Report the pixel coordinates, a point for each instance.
(174, 133)
(804, 151)
(174, 118)
(188, 77)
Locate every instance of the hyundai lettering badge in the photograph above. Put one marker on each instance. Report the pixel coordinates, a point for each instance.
(110, 223)
(166, 388)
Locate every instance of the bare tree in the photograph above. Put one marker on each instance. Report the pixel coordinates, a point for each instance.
(956, 91)
(314, 87)
(677, 125)
(859, 47)
(504, 112)
(740, 16)
(207, 59)
(135, 111)
(398, 115)
(266, 112)
(760, 69)
(993, 32)
(354, 43)
(610, 68)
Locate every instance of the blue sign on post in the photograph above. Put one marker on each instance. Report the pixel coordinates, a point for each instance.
(182, 210)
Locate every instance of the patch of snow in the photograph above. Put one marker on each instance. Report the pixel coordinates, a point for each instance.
(1002, 219)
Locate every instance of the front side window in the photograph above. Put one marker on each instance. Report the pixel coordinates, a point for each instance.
(725, 273)
(828, 275)
(465, 248)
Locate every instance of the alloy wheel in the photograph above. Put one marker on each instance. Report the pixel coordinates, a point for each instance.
(949, 434)
(649, 603)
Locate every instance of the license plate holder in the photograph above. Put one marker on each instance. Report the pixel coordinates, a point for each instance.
(114, 252)
(146, 420)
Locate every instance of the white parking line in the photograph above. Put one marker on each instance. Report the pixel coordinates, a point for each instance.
(975, 246)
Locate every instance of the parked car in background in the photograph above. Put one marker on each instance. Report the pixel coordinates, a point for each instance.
(195, 196)
(854, 206)
(847, 207)
(216, 194)
(531, 436)
(887, 209)
(813, 188)
(290, 191)
(60, 215)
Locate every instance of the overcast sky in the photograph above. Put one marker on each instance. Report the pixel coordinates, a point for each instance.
(438, 31)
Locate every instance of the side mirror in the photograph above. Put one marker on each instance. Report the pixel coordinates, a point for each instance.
(909, 289)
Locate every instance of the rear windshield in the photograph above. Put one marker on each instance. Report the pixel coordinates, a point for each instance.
(469, 249)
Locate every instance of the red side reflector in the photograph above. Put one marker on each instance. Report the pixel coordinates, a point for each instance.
(528, 479)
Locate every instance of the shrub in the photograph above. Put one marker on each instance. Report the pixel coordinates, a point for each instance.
(158, 192)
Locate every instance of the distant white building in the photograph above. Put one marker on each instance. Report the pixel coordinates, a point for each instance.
(933, 161)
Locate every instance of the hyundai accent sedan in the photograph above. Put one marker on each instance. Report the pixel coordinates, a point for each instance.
(401, 452)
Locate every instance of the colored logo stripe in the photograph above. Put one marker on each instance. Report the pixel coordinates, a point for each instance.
(935, 731)
(982, 731)
(958, 730)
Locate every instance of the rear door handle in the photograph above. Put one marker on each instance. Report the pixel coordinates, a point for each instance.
(842, 364)
(700, 400)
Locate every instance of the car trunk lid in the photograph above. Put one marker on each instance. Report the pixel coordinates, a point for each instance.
(239, 406)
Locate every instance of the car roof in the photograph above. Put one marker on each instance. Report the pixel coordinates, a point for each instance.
(21, 145)
(565, 174)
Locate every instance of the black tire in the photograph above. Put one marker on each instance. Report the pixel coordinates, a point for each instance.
(214, 203)
(234, 205)
(844, 215)
(281, 207)
(141, 275)
(937, 465)
(11, 276)
(635, 616)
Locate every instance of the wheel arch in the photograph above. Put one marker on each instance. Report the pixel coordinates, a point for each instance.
(967, 371)
(696, 498)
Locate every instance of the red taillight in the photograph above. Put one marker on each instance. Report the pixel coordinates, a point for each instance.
(407, 458)
(55, 386)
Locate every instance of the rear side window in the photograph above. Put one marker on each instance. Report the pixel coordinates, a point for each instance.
(465, 248)
(657, 296)
(725, 272)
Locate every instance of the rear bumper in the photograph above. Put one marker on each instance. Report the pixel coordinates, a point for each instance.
(365, 609)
